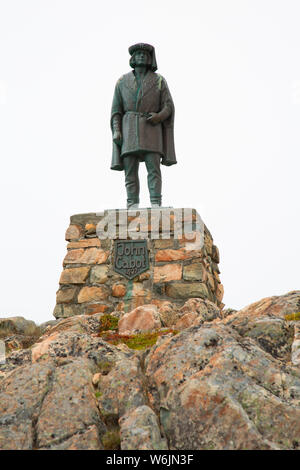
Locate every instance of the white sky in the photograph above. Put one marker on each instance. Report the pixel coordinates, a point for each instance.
(233, 69)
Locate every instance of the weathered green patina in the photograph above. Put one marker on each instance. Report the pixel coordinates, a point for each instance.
(142, 123)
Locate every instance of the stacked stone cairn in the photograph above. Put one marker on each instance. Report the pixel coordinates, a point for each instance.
(183, 262)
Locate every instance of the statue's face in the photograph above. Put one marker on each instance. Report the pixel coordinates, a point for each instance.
(142, 57)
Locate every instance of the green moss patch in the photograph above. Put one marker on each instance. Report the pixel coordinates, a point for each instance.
(108, 322)
(139, 341)
(111, 440)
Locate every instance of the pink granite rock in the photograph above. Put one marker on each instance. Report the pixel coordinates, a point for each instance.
(142, 319)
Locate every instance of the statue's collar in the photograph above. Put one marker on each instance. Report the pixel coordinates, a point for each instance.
(143, 77)
(147, 81)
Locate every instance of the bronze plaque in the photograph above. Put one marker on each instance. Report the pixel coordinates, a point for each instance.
(131, 257)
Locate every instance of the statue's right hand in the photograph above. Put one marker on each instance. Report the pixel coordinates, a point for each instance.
(117, 137)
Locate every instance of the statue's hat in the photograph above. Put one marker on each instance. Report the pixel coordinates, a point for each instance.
(145, 47)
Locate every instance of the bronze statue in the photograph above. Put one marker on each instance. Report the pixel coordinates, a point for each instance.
(142, 123)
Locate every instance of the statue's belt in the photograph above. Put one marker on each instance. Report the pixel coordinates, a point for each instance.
(136, 113)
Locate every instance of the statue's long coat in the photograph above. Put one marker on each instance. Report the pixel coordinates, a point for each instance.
(133, 103)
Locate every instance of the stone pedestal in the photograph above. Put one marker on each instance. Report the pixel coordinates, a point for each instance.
(183, 261)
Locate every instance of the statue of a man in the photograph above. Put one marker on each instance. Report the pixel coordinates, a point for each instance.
(142, 123)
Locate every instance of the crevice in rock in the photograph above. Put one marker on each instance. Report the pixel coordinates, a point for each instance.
(110, 439)
(35, 418)
(65, 438)
(146, 387)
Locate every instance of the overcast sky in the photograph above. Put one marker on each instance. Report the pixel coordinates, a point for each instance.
(233, 68)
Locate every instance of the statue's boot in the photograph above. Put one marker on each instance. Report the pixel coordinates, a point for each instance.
(132, 204)
(155, 202)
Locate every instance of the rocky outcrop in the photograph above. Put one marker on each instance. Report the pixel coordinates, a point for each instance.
(266, 322)
(16, 325)
(49, 401)
(212, 380)
(18, 333)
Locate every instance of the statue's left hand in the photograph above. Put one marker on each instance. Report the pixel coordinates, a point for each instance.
(154, 118)
(117, 137)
